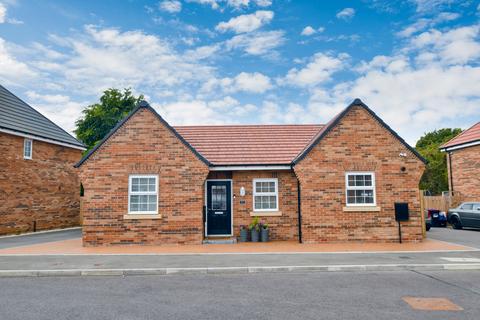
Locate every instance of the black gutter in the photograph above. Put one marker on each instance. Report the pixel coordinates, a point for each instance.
(299, 200)
(451, 171)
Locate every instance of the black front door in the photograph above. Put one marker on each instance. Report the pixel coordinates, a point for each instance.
(219, 207)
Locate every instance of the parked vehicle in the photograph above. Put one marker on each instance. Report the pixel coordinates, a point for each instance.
(465, 215)
(435, 218)
(428, 219)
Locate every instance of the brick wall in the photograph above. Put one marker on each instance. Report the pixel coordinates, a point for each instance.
(466, 173)
(358, 143)
(44, 189)
(143, 146)
(284, 227)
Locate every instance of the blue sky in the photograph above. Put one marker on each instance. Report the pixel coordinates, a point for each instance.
(414, 62)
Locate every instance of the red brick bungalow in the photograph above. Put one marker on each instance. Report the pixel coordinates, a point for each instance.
(39, 188)
(463, 163)
(149, 183)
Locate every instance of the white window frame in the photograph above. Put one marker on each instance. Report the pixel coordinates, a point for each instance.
(130, 192)
(25, 141)
(255, 193)
(372, 187)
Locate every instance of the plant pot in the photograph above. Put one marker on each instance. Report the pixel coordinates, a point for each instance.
(265, 235)
(255, 235)
(243, 235)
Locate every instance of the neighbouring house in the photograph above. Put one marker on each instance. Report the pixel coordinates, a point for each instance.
(150, 183)
(463, 163)
(39, 187)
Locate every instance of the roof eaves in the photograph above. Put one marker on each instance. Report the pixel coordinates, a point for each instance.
(339, 117)
(447, 145)
(141, 104)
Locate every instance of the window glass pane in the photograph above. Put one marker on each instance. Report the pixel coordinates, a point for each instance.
(368, 180)
(258, 186)
(467, 206)
(133, 206)
(134, 199)
(152, 186)
(219, 198)
(258, 204)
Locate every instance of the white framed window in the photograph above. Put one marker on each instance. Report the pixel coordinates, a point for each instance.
(143, 194)
(27, 149)
(360, 188)
(265, 194)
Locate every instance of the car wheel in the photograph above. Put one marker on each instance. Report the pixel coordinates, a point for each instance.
(456, 223)
(428, 227)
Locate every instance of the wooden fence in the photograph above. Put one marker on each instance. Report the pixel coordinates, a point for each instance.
(442, 203)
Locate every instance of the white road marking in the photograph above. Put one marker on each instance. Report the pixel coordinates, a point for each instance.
(473, 260)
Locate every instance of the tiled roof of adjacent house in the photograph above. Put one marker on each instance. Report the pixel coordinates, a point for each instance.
(468, 136)
(249, 144)
(17, 116)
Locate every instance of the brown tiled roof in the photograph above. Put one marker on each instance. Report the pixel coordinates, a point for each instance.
(470, 135)
(249, 144)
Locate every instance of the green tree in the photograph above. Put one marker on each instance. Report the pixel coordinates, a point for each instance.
(98, 119)
(435, 177)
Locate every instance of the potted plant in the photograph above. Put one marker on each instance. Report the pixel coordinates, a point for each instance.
(265, 233)
(255, 230)
(243, 233)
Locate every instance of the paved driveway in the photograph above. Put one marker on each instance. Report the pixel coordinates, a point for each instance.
(466, 237)
(36, 238)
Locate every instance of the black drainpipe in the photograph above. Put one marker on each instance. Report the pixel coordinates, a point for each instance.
(451, 172)
(299, 212)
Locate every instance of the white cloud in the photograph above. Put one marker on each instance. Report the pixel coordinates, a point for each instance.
(3, 13)
(263, 3)
(195, 112)
(308, 31)
(431, 5)
(319, 70)
(203, 52)
(425, 23)
(456, 46)
(257, 43)
(172, 6)
(101, 58)
(244, 82)
(13, 71)
(246, 22)
(212, 3)
(346, 14)
(410, 96)
(236, 4)
(58, 108)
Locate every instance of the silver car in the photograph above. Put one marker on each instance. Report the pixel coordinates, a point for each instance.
(466, 215)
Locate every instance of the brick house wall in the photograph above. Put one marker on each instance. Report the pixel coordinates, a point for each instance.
(283, 227)
(466, 172)
(143, 145)
(358, 143)
(45, 189)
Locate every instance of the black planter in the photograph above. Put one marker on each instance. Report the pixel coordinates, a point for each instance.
(255, 235)
(243, 235)
(265, 235)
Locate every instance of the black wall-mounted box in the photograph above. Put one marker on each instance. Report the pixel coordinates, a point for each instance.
(401, 211)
